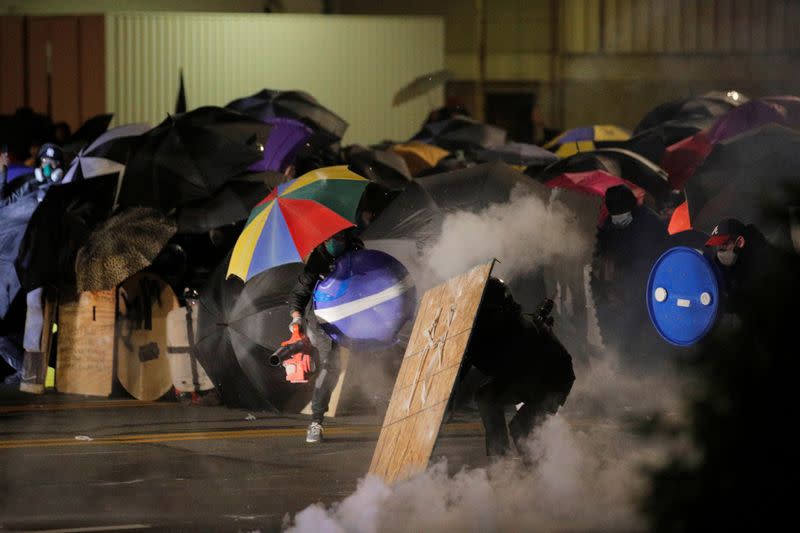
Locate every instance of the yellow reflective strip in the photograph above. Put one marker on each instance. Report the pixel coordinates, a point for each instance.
(246, 244)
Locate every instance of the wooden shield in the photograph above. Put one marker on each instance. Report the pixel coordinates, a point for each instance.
(425, 383)
(144, 301)
(85, 359)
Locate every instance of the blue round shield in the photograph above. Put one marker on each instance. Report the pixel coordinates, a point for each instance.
(366, 300)
(682, 296)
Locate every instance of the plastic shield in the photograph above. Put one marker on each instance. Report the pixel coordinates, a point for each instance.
(682, 296)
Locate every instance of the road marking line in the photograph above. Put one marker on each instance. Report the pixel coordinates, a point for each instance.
(213, 435)
(94, 528)
(82, 405)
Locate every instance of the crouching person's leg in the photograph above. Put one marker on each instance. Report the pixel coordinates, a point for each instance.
(536, 408)
(490, 398)
(327, 376)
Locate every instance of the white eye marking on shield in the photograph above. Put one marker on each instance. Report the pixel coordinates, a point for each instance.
(660, 294)
(705, 298)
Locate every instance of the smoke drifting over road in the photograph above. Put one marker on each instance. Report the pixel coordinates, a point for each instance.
(585, 473)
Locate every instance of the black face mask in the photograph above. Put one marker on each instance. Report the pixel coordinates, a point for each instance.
(335, 247)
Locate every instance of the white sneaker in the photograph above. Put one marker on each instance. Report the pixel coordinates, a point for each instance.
(314, 433)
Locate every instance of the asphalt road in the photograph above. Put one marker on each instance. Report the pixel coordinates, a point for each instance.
(76, 464)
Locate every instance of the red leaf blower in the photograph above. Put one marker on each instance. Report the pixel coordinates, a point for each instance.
(297, 356)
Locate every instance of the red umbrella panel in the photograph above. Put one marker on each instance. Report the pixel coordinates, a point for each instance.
(595, 183)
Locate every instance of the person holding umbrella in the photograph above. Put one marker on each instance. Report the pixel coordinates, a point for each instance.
(309, 220)
(321, 262)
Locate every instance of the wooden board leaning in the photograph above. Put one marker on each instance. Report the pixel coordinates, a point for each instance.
(427, 375)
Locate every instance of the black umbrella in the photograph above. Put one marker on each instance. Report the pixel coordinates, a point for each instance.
(413, 216)
(674, 121)
(514, 153)
(381, 166)
(475, 188)
(328, 127)
(745, 175)
(413, 220)
(91, 129)
(231, 204)
(710, 105)
(60, 225)
(421, 85)
(122, 246)
(239, 326)
(15, 217)
(190, 156)
(617, 162)
(461, 133)
(106, 154)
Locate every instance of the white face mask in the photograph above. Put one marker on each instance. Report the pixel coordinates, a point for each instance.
(727, 257)
(622, 220)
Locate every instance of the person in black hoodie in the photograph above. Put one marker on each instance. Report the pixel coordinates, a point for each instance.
(321, 262)
(743, 260)
(525, 363)
(628, 243)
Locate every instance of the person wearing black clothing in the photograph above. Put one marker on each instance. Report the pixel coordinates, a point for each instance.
(525, 363)
(743, 260)
(628, 243)
(320, 263)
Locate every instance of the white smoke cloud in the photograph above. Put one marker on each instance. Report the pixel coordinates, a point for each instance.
(523, 234)
(586, 462)
(586, 473)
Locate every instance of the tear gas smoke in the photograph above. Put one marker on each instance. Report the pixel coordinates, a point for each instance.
(523, 234)
(585, 474)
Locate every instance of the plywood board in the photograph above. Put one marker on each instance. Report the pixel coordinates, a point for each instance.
(425, 382)
(186, 371)
(143, 369)
(85, 360)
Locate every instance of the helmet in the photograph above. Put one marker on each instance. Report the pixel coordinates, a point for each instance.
(52, 151)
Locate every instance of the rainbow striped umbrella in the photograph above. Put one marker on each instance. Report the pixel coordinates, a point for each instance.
(295, 218)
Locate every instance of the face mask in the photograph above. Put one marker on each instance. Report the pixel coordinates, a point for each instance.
(335, 247)
(622, 220)
(727, 257)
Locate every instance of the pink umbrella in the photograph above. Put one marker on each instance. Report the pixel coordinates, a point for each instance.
(594, 182)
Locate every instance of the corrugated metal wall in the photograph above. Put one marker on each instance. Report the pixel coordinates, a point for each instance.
(353, 65)
(681, 26)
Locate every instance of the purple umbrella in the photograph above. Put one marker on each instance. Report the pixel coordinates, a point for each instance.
(784, 110)
(284, 141)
